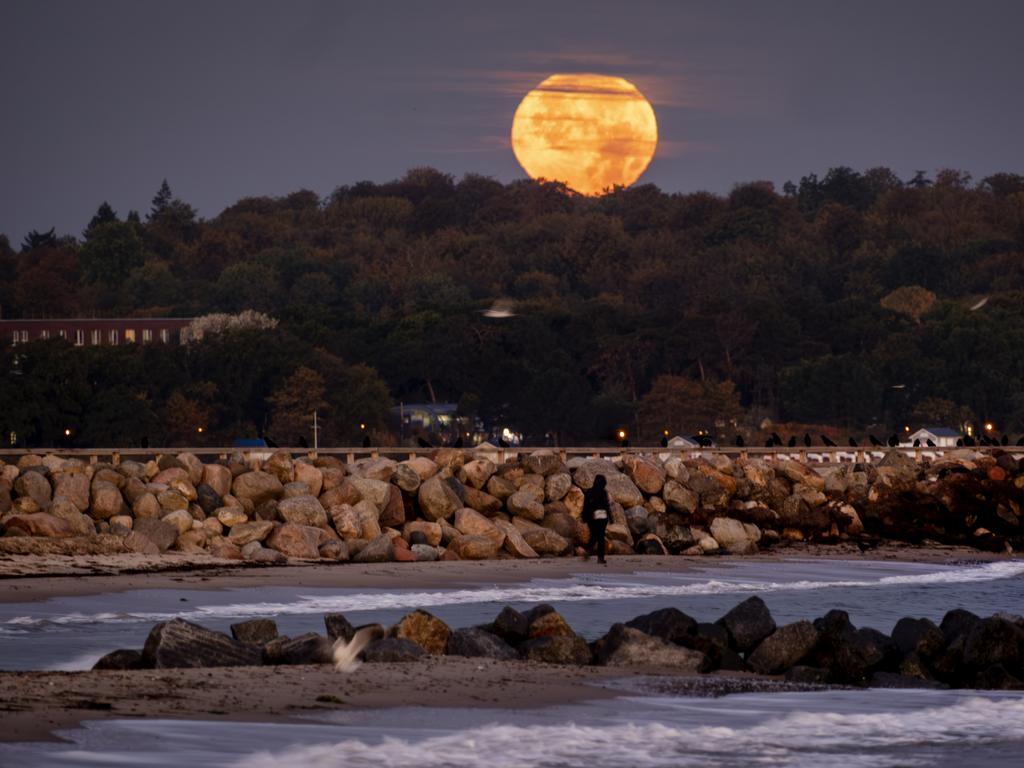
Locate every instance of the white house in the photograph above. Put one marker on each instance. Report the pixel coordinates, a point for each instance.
(943, 437)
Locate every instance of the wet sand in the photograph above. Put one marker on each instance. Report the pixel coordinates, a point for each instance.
(26, 578)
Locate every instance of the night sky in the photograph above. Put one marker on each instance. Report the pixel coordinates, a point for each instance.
(102, 100)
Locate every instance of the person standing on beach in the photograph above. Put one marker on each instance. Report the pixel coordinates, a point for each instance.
(595, 515)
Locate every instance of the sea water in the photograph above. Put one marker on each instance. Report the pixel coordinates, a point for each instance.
(72, 632)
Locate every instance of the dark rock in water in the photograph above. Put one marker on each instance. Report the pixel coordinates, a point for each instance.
(670, 624)
(958, 622)
(309, 648)
(994, 641)
(713, 641)
(748, 624)
(557, 650)
(392, 649)
(625, 646)
(338, 626)
(548, 623)
(475, 641)
(207, 498)
(255, 631)
(424, 629)
(541, 609)
(919, 636)
(913, 665)
(896, 680)
(511, 626)
(120, 660)
(808, 675)
(784, 648)
(997, 678)
(180, 643)
(852, 654)
(157, 531)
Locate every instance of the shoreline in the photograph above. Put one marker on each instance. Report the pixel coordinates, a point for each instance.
(32, 578)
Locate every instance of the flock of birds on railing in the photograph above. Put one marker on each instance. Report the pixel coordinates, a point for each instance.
(893, 441)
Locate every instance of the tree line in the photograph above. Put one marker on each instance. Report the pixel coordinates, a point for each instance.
(851, 301)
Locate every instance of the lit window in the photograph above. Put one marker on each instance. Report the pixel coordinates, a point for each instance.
(165, 335)
(44, 334)
(15, 340)
(95, 338)
(63, 334)
(129, 335)
(24, 336)
(79, 337)
(112, 336)
(147, 335)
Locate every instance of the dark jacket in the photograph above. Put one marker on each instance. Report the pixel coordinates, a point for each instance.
(595, 498)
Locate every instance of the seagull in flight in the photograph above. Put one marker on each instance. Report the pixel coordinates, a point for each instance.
(500, 310)
(345, 653)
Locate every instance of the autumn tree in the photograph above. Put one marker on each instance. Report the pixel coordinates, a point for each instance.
(684, 406)
(292, 404)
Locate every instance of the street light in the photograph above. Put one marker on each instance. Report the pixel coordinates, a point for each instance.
(989, 426)
(67, 433)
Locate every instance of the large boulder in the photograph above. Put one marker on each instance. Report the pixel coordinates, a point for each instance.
(851, 654)
(919, 636)
(257, 486)
(478, 472)
(424, 629)
(309, 648)
(481, 501)
(995, 640)
(380, 469)
(436, 499)
(515, 544)
(298, 541)
(646, 474)
(303, 510)
(748, 624)
(380, 550)
(255, 530)
(218, 477)
(81, 524)
(472, 523)
(162, 534)
(556, 486)
(670, 624)
(543, 463)
(392, 514)
(34, 485)
(477, 642)
(120, 660)
(472, 547)
(38, 524)
(523, 503)
(621, 490)
(375, 491)
(431, 532)
(106, 501)
(393, 649)
(591, 468)
(625, 646)
(557, 650)
(546, 542)
(784, 648)
(73, 486)
(735, 537)
(179, 643)
(680, 498)
(255, 631)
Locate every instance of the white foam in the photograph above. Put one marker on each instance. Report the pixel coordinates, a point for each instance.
(802, 738)
(535, 592)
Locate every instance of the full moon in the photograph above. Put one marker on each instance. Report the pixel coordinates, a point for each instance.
(592, 132)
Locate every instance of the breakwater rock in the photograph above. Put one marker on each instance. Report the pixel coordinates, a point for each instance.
(963, 651)
(464, 504)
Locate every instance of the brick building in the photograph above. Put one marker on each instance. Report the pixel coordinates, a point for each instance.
(84, 332)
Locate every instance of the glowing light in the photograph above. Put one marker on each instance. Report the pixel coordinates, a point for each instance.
(362, 426)
(67, 433)
(592, 132)
(622, 434)
(989, 426)
(199, 430)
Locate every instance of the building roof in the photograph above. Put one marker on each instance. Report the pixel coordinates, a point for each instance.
(940, 432)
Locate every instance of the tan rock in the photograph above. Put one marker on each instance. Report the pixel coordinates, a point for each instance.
(623, 491)
(557, 485)
(342, 493)
(146, 506)
(573, 501)
(424, 629)
(312, 476)
(257, 487)
(476, 473)
(35, 486)
(406, 478)
(180, 519)
(680, 498)
(106, 501)
(524, 503)
(515, 544)
(192, 541)
(231, 516)
(369, 520)
(225, 550)
(81, 524)
(619, 532)
(38, 524)
(381, 469)
(436, 499)
(376, 491)
(171, 500)
(796, 472)
(124, 521)
(346, 522)
(471, 522)
(481, 501)
(281, 466)
(500, 488)
(255, 530)
(332, 477)
(73, 486)
(217, 477)
(430, 531)
(303, 510)
(474, 547)
(165, 476)
(422, 466)
(213, 527)
(194, 467)
(393, 513)
(298, 541)
(546, 542)
(735, 537)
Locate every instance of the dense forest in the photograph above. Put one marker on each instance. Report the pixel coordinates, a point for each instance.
(849, 302)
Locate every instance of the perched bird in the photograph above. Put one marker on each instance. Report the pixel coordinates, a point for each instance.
(705, 442)
(807, 440)
(303, 443)
(776, 439)
(930, 443)
(458, 442)
(1020, 440)
(769, 443)
(366, 441)
(969, 441)
(893, 440)
(664, 441)
(1005, 440)
(739, 441)
(345, 653)
(959, 442)
(874, 440)
(270, 443)
(792, 441)
(828, 441)
(144, 442)
(853, 442)
(423, 443)
(503, 442)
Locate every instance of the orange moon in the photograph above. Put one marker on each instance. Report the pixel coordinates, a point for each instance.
(592, 132)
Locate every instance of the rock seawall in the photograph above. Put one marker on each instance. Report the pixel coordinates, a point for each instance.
(462, 504)
(963, 651)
